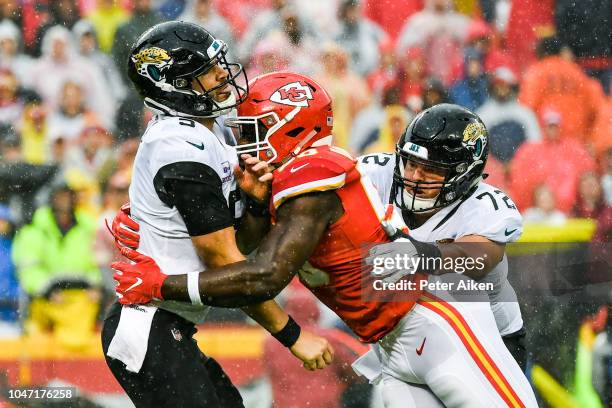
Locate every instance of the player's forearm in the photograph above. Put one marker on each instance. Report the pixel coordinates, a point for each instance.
(251, 231)
(235, 285)
(268, 315)
(287, 246)
(477, 258)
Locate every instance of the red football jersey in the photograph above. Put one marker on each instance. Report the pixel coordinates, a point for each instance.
(349, 290)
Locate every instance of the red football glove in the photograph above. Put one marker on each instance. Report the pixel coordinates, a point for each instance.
(140, 282)
(125, 229)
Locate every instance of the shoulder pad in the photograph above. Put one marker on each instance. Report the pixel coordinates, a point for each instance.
(489, 212)
(168, 141)
(316, 169)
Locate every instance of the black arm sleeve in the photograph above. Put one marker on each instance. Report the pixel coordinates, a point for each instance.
(195, 190)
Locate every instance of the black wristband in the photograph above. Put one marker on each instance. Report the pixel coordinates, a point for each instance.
(256, 208)
(288, 334)
(429, 252)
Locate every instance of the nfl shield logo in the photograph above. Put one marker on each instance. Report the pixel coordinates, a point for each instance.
(226, 168)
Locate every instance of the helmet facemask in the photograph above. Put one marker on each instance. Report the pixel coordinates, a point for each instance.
(257, 131)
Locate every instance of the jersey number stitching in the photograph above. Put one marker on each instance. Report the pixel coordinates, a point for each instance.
(505, 199)
(377, 159)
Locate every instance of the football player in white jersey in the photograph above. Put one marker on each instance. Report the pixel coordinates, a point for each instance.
(435, 178)
(185, 198)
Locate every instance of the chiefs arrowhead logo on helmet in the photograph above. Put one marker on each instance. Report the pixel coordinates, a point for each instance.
(293, 94)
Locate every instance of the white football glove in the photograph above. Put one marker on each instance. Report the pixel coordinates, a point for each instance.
(393, 260)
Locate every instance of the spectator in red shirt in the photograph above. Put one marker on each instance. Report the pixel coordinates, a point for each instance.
(386, 73)
(440, 31)
(590, 201)
(496, 172)
(291, 385)
(412, 74)
(391, 14)
(555, 161)
(529, 21)
(481, 37)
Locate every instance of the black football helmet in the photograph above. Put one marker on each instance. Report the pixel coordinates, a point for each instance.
(446, 138)
(165, 60)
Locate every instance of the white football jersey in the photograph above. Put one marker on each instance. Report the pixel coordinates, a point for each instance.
(163, 233)
(487, 212)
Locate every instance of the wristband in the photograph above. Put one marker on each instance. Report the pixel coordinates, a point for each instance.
(193, 287)
(289, 334)
(256, 208)
(426, 251)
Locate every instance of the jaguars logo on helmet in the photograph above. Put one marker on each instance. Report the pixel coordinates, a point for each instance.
(152, 62)
(475, 138)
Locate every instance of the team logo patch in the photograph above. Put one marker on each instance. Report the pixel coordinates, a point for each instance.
(475, 138)
(416, 150)
(152, 63)
(227, 171)
(293, 94)
(214, 48)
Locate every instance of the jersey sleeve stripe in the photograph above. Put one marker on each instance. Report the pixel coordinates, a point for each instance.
(317, 185)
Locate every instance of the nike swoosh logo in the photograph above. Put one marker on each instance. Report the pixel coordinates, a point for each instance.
(138, 283)
(200, 146)
(294, 169)
(508, 233)
(419, 351)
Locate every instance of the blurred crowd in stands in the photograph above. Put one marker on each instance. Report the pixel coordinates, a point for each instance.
(537, 71)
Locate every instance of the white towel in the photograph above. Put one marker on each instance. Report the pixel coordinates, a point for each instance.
(369, 366)
(129, 344)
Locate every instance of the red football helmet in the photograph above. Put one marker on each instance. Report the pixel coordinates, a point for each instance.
(283, 114)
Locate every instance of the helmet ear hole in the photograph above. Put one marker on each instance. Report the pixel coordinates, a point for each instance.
(295, 132)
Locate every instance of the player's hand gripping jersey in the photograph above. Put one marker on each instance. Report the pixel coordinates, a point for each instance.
(340, 251)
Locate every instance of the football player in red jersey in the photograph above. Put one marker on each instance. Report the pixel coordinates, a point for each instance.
(325, 211)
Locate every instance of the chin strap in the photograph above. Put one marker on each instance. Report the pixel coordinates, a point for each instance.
(299, 146)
